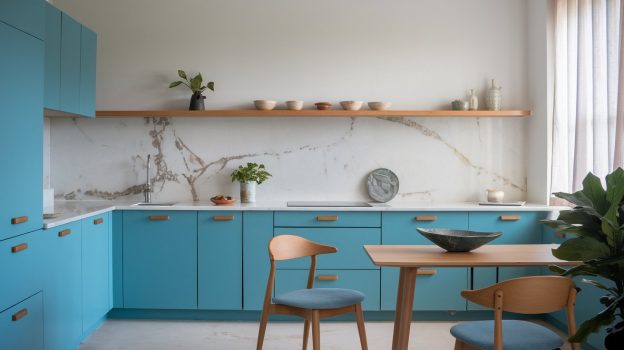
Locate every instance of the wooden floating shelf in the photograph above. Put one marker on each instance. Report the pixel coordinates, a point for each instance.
(311, 113)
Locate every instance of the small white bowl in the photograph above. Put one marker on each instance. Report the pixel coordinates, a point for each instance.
(351, 105)
(265, 105)
(379, 106)
(294, 105)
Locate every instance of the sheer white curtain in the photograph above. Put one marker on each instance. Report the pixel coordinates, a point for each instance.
(588, 126)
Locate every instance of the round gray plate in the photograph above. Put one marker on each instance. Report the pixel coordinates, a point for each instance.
(382, 185)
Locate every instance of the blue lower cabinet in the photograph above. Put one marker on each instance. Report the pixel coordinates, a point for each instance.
(160, 259)
(257, 232)
(365, 281)
(437, 289)
(348, 241)
(20, 259)
(400, 227)
(116, 266)
(95, 270)
(63, 287)
(306, 218)
(21, 326)
(220, 257)
(482, 277)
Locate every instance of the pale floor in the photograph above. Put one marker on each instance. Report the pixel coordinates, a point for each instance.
(198, 335)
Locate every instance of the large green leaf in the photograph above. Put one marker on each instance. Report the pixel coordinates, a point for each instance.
(581, 249)
(196, 82)
(597, 196)
(615, 188)
(181, 74)
(174, 84)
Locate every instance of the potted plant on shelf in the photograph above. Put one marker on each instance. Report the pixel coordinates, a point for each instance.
(597, 225)
(196, 86)
(248, 176)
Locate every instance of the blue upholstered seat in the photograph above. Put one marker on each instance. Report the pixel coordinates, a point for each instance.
(517, 335)
(320, 298)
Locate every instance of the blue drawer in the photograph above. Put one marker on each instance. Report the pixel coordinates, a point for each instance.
(21, 258)
(517, 227)
(327, 219)
(348, 241)
(400, 227)
(21, 326)
(365, 281)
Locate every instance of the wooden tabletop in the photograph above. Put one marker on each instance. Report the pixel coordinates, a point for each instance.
(488, 255)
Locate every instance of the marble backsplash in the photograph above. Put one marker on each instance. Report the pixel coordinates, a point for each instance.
(436, 159)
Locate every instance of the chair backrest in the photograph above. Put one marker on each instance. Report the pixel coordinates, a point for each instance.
(285, 247)
(526, 295)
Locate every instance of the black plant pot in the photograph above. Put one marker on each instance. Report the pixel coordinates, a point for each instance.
(615, 337)
(197, 102)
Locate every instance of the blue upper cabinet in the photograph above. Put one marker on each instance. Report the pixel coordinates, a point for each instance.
(21, 143)
(88, 53)
(25, 15)
(70, 65)
(53, 58)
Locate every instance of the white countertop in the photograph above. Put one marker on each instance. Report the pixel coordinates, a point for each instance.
(76, 210)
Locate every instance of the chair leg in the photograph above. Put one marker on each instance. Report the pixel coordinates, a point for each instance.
(306, 333)
(458, 345)
(316, 330)
(360, 325)
(263, 324)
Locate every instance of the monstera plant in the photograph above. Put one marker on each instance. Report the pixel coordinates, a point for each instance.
(597, 225)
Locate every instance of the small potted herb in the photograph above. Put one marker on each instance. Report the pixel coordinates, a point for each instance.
(196, 86)
(248, 176)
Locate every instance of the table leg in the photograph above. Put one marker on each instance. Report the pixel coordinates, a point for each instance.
(405, 303)
(398, 310)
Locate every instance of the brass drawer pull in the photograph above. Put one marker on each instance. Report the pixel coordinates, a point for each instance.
(20, 247)
(509, 217)
(427, 272)
(159, 217)
(223, 217)
(19, 315)
(64, 233)
(427, 218)
(98, 221)
(327, 218)
(327, 277)
(19, 220)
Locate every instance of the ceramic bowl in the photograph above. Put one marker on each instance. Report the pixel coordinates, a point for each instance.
(220, 200)
(379, 106)
(265, 105)
(458, 105)
(323, 105)
(351, 105)
(458, 240)
(294, 105)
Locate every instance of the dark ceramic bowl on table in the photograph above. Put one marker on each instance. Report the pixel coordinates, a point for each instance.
(458, 240)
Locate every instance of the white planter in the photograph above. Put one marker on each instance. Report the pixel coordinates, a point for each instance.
(248, 192)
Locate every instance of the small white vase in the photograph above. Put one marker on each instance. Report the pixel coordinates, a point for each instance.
(493, 97)
(473, 102)
(248, 192)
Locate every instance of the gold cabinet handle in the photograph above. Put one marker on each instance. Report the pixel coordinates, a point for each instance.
(19, 220)
(509, 217)
(159, 217)
(327, 218)
(426, 218)
(98, 221)
(327, 277)
(20, 247)
(426, 272)
(19, 315)
(64, 233)
(223, 217)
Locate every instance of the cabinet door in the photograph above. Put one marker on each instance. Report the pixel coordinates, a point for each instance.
(52, 97)
(21, 326)
(63, 288)
(25, 15)
(220, 257)
(70, 65)
(21, 141)
(95, 270)
(257, 232)
(88, 53)
(160, 259)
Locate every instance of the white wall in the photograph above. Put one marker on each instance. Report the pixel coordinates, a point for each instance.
(418, 54)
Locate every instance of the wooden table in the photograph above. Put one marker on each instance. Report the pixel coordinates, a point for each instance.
(411, 257)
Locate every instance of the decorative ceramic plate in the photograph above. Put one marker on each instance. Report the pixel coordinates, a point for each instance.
(382, 185)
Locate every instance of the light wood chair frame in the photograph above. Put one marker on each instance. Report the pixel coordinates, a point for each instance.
(286, 247)
(525, 295)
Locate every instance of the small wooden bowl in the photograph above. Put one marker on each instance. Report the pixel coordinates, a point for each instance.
(223, 201)
(322, 106)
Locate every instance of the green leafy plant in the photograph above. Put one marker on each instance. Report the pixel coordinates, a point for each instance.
(251, 172)
(195, 84)
(597, 225)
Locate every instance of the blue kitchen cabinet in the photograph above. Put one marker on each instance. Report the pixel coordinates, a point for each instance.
(21, 326)
(438, 288)
(160, 259)
(25, 15)
(88, 53)
(70, 64)
(21, 142)
(257, 232)
(307, 218)
(63, 287)
(220, 260)
(116, 266)
(52, 96)
(95, 270)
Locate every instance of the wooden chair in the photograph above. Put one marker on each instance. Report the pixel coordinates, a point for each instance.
(311, 304)
(525, 295)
